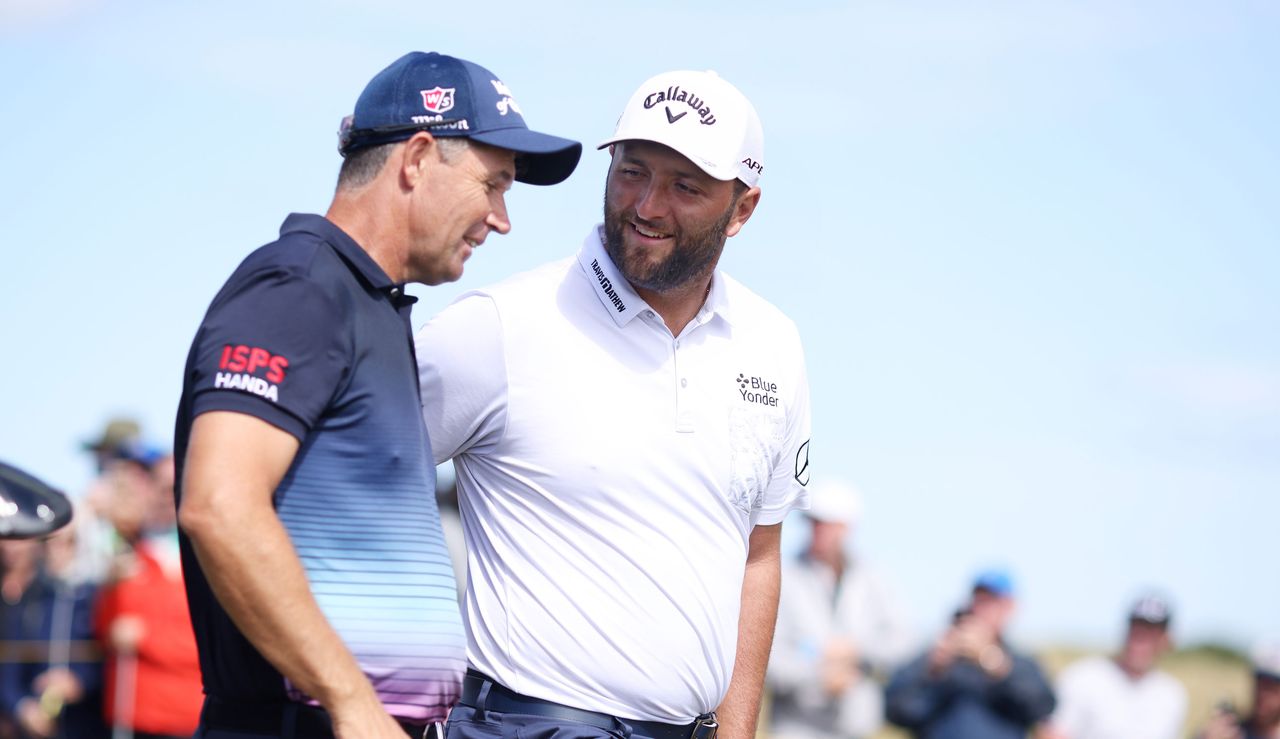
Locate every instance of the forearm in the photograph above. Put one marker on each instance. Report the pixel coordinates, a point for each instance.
(234, 464)
(258, 579)
(740, 710)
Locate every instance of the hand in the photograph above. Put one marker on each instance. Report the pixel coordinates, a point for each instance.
(33, 719)
(839, 666)
(1223, 725)
(61, 683)
(1049, 731)
(973, 638)
(363, 718)
(125, 634)
(944, 652)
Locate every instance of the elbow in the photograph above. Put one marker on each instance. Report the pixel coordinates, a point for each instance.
(191, 519)
(197, 517)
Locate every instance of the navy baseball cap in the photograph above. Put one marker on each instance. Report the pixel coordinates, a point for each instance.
(448, 96)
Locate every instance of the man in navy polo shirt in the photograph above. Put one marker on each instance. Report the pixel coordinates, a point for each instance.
(321, 593)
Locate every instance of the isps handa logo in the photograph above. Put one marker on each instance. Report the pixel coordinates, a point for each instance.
(758, 390)
(242, 365)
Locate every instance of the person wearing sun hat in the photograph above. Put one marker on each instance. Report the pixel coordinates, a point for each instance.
(322, 599)
(629, 426)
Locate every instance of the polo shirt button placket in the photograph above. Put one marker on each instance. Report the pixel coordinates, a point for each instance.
(684, 417)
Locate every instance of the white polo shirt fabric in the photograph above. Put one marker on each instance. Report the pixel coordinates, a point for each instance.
(1098, 700)
(609, 476)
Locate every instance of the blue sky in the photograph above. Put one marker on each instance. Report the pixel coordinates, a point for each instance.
(1033, 249)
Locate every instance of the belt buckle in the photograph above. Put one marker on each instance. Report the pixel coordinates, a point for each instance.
(705, 727)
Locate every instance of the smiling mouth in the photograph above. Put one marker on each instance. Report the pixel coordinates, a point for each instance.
(648, 234)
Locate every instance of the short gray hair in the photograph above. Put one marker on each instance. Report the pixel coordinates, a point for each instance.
(363, 165)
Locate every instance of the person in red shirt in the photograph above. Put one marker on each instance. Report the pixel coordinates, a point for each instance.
(152, 681)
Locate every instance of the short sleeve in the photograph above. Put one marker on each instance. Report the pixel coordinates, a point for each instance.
(273, 346)
(462, 374)
(787, 486)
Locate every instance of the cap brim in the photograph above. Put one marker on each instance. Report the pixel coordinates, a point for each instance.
(718, 174)
(548, 159)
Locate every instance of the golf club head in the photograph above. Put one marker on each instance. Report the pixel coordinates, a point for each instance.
(29, 508)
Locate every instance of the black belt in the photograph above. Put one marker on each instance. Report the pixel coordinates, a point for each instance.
(483, 694)
(285, 719)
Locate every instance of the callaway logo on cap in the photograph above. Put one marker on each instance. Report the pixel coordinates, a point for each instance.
(453, 97)
(701, 116)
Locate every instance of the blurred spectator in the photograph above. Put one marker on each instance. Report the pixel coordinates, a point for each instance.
(117, 438)
(50, 679)
(1124, 697)
(119, 443)
(152, 669)
(1263, 720)
(971, 684)
(837, 626)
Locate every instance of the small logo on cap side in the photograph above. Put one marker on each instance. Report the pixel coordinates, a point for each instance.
(753, 164)
(507, 102)
(438, 99)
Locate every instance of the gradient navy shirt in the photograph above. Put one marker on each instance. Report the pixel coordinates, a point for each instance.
(311, 336)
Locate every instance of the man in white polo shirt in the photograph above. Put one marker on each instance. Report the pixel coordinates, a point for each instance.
(1126, 696)
(629, 427)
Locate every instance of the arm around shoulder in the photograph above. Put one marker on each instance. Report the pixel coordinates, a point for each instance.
(462, 375)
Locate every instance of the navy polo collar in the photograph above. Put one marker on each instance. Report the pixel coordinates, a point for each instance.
(349, 250)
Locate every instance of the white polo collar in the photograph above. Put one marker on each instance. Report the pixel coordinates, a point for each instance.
(616, 295)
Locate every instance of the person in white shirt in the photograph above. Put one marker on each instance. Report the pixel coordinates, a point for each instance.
(1125, 696)
(840, 628)
(629, 428)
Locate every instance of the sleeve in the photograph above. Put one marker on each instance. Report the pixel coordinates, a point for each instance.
(271, 347)
(786, 490)
(462, 374)
(1024, 694)
(13, 687)
(913, 698)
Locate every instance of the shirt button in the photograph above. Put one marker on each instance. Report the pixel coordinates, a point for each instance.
(395, 292)
(684, 382)
(677, 343)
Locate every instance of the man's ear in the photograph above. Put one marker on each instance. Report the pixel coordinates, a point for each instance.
(416, 158)
(742, 211)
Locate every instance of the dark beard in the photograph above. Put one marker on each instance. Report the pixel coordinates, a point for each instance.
(691, 257)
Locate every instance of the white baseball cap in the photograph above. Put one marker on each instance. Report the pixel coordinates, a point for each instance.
(835, 501)
(701, 116)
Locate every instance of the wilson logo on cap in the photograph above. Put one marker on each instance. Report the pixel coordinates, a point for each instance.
(438, 99)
